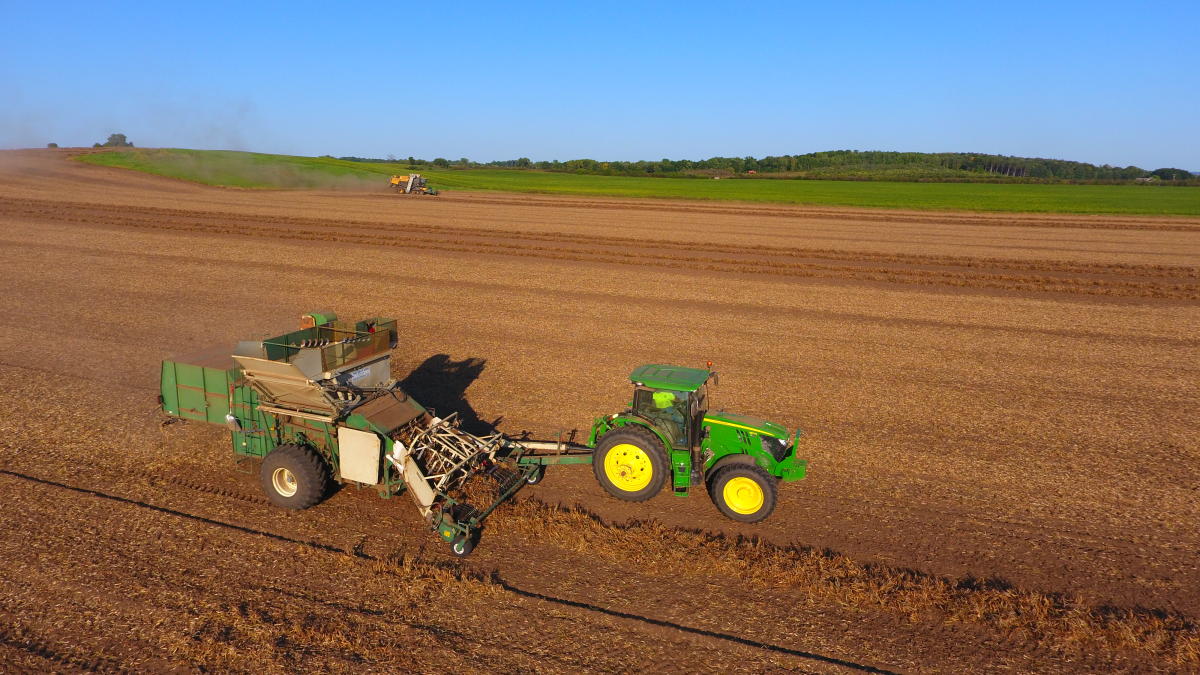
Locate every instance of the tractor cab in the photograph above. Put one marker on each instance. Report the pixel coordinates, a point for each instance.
(674, 399)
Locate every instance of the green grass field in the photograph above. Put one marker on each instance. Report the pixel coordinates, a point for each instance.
(253, 170)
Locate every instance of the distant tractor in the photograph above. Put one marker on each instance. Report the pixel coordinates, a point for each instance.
(669, 429)
(412, 184)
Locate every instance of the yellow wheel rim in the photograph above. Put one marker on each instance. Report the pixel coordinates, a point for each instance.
(628, 467)
(743, 495)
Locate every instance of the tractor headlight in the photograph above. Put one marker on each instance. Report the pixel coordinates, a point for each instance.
(775, 447)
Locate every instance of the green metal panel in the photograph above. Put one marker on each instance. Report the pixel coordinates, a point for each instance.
(194, 392)
(259, 433)
(722, 440)
(322, 317)
(746, 422)
(170, 394)
(681, 468)
(189, 381)
(623, 420)
(658, 376)
(792, 468)
(216, 395)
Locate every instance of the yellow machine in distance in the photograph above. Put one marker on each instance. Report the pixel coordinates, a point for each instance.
(412, 184)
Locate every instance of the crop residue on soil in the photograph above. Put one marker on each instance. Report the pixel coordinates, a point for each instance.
(999, 413)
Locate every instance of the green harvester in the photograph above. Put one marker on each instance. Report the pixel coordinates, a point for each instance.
(319, 405)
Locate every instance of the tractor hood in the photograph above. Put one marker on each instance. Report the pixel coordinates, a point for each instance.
(746, 422)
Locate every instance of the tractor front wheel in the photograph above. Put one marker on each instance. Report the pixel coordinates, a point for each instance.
(630, 463)
(294, 477)
(743, 492)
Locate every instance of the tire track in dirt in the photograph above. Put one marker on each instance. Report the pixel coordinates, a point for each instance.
(554, 597)
(1097, 280)
(65, 657)
(860, 506)
(159, 479)
(179, 578)
(1060, 533)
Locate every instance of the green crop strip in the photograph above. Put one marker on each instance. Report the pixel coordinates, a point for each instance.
(253, 170)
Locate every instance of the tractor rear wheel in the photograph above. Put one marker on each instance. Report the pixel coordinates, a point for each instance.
(630, 463)
(743, 492)
(294, 477)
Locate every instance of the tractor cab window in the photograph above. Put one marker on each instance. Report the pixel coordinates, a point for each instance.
(671, 409)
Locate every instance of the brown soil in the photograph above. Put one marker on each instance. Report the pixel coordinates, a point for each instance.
(1000, 414)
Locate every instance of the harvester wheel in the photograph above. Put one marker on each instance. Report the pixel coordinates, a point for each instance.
(743, 492)
(294, 477)
(630, 463)
(462, 546)
(535, 477)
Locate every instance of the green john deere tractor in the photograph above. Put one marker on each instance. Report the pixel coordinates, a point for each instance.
(669, 429)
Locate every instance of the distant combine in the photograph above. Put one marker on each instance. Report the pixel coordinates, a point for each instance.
(412, 184)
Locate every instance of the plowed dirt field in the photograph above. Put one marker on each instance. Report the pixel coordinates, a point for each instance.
(1000, 413)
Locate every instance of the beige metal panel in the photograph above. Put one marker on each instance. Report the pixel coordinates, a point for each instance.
(308, 361)
(252, 348)
(418, 485)
(365, 375)
(283, 383)
(359, 455)
(390, 411)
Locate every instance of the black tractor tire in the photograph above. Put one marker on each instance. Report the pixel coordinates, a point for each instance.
(294, 477)
(751, 492)
(622, 471)
(535, 477)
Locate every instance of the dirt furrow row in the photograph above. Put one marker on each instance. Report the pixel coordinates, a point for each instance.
(642, 257)
(1042, 284)
(115, 216)
(851, 213)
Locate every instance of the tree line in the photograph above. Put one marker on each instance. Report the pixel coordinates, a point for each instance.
(838, 165)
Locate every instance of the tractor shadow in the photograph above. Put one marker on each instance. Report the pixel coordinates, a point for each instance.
(441, 383)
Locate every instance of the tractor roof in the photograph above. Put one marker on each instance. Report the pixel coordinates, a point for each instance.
(678, 378)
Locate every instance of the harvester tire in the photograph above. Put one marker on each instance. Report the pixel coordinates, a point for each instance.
(630, 463)
(743, 492)
(294, 477)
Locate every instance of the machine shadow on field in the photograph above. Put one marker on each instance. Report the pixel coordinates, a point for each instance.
(441, 382)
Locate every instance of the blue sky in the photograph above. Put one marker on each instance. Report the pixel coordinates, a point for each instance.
(1103, 82)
